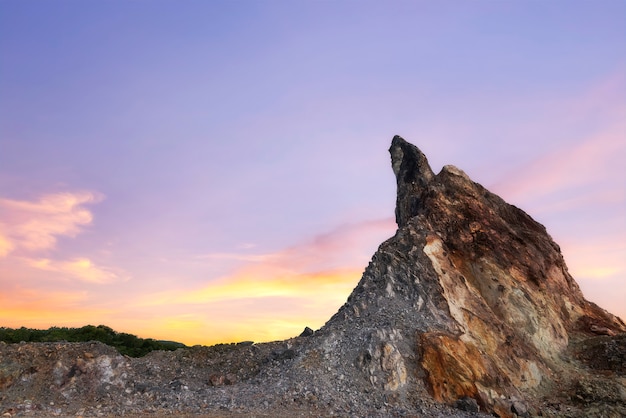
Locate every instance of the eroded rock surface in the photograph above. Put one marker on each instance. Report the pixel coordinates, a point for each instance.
(468, 309)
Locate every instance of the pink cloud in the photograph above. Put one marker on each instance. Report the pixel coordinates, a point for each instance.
(578, 189)
(6, 246)
(265, 296)
(30, 229)
(32, 226)
(589, 163)
(273, 295)
(346, 246)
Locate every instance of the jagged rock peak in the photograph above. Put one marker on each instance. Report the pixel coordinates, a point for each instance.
(416, 180)
(469, 304)
(480, 287)
(410, 159)
(413, 174)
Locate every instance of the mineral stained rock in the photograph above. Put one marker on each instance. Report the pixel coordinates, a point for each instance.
(468, 309)
(472, 293)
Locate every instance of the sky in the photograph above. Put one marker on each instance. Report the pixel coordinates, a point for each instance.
(217, 171)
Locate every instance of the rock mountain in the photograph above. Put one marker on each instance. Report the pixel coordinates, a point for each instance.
(467, 310)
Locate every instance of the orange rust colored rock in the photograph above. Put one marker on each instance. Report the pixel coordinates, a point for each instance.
(457, 369)
(453, 367)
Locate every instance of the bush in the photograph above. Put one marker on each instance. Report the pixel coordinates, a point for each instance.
(127, 344)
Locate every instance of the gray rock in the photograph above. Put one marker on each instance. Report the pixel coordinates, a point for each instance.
(307, 332)
(469, 303)
(467, 404)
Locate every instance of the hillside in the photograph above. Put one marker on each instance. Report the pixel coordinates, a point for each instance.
(468, 310)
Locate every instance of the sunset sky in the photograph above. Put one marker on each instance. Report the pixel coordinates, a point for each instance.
(217, 171)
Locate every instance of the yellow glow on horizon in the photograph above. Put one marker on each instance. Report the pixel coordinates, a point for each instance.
(201, 331)
(242, 308)
(35, 309)
(267, 297)
(221, 312)
(247, 286)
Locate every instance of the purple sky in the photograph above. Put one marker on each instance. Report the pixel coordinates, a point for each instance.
(217, 170)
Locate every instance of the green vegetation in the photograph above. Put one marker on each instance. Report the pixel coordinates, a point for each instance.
(127, 344)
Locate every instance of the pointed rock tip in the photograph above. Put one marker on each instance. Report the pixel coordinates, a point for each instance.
(397, 141)
(410, 160)
(413, 176)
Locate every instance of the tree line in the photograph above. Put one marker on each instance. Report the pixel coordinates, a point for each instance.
(126, 344)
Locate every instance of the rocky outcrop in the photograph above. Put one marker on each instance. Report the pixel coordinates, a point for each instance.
(468, 309)
(477, 291)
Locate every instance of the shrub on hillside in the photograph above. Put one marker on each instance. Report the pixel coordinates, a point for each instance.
(127, 344)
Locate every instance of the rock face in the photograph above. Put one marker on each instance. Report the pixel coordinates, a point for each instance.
(467, 309)
(471, 295)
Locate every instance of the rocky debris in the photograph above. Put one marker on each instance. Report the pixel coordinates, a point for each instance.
(604, 353)
(467, 404)
(467, 310)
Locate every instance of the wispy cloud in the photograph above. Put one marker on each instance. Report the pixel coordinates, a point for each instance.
(586, 157)
(29, 233)
(253, 258)
(79, 268)
(266, 296)
(593, 161)
(577, 181)
(36, 225)
(579, 191)
(279, 292)
(5, 245)
(346, 246)
(264, 282)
